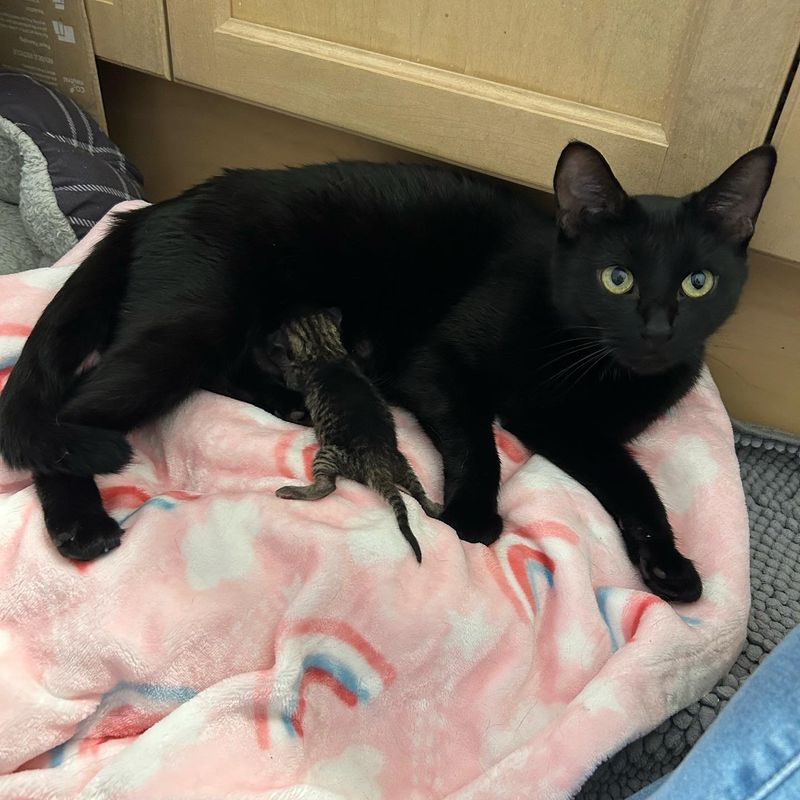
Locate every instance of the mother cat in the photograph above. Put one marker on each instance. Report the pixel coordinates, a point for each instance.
(473, 305)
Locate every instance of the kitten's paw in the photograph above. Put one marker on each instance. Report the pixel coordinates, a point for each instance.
(434, 510)
(290, 492)
(668, 574)
(89, 538)
(473, 527)
(312, 492)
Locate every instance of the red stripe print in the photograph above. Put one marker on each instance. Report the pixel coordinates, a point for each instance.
(133, 496)
(317, 675)
(496, 570)
(262, 725)
(282, 451)
(179, 494)
(341, 630)
(4, 373)
(518, 555)
(120, 723)
(510, 446)
(634, 611)
(309, 451)
(14, 329)
(113, 494)
(545, 529)
(261, 710)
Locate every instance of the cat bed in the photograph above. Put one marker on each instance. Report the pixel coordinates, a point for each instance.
(59, 173)
(239, 644)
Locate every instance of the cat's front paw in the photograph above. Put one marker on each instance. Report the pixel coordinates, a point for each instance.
(665, 571)
(669, 574)
(473, 525)
(87, 538)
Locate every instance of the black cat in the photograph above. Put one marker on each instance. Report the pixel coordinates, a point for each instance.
(473, 306)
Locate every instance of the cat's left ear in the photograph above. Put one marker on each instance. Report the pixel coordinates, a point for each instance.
(336, 315)
(585, 188)
(732, 202)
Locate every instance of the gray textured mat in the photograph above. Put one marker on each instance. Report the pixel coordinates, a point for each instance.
(770, 466)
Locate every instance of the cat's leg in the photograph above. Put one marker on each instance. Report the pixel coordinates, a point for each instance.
(407, 480)
(459, 420)
(74, 516)
(614, 477)
(132, 384)
(326, 466)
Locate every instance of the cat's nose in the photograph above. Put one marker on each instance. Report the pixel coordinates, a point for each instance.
(657, 330)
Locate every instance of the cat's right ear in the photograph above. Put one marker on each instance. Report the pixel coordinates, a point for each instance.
(585, 188)
(731, 203)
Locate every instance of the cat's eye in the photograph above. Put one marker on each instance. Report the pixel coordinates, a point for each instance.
(698, 284)
(616, 280)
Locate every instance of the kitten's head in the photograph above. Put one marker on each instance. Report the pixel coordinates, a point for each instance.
(304, 341)
(652, 277)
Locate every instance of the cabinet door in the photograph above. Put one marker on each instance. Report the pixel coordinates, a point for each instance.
(778, 231)
(132, 33)
(669, 91)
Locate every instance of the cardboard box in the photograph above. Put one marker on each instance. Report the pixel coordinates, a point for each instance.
(50, 40)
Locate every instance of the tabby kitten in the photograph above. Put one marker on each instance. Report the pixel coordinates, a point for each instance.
(353, 424)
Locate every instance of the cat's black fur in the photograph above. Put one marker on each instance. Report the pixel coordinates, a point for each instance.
(353, 423)
(475, 306)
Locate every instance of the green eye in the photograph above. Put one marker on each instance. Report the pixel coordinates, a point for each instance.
(616, 280)
(698, 284)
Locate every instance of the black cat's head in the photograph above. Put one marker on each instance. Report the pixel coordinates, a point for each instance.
(652, 277)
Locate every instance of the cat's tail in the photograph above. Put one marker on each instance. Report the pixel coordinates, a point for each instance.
(389, 492)
(76, 325)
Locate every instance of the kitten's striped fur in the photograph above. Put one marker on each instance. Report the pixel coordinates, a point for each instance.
(352, 421)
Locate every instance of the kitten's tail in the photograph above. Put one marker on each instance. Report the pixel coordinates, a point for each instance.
(77, 323)
(392, 496)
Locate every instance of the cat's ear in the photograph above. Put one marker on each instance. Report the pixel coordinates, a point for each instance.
(585, 188)
(336, 315)
(732, 202)
(276, 350)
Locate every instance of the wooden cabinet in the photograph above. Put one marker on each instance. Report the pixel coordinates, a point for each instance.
(132, 33)
(778, 230)
(670, 92)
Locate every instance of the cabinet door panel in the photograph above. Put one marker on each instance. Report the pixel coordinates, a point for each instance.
(670, 92)
(132, 33)
(778, 232)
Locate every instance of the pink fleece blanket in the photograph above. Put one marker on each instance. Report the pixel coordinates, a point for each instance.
(238, 645)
